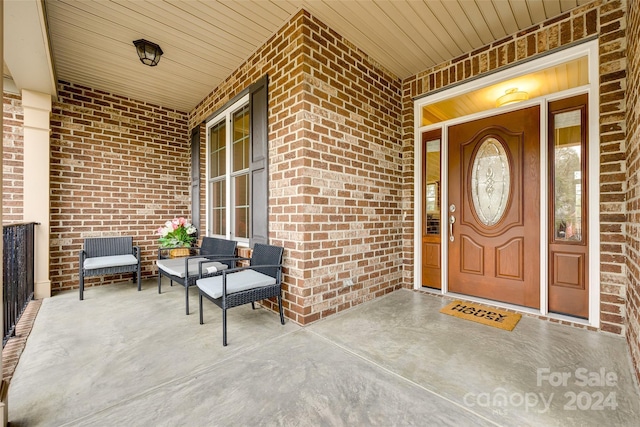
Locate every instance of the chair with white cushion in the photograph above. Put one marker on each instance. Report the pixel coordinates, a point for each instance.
(109, 255)
(212, 256)
(261, 279)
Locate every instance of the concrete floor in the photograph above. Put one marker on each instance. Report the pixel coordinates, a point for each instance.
(128, 358)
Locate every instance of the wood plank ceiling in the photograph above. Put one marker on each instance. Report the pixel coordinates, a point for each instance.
(205, 41)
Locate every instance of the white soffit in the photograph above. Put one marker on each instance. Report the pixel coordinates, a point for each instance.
(26, 47)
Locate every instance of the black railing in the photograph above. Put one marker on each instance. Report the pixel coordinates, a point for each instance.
(17, 278)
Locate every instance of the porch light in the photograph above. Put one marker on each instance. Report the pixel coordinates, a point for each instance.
(149, 53)
(511, 96)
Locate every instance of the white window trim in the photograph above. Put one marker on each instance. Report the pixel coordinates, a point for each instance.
(224, 115)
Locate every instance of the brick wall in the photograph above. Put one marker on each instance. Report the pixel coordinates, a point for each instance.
(602, 19)
(611, 22)
(335, 166)
(118, 167)
(341, 161)
(13, 159)
(633, 192)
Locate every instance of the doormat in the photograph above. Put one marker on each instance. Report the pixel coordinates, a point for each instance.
(482, 314)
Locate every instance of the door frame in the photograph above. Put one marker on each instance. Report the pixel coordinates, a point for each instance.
(588, 49)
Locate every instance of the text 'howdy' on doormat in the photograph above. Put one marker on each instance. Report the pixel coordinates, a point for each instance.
(482, 314)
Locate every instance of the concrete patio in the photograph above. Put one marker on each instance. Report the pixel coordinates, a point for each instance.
(123, 357)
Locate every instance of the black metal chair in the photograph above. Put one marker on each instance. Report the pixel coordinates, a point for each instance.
(109, 255)
(185, 270)
(261, 279)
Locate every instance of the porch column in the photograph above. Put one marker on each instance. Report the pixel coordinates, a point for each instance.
(37, 112)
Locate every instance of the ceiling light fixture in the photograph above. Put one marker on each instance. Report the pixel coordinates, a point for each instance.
(149, 53)
(511, 96)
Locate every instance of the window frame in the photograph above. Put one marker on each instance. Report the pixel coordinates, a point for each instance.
(229, 175)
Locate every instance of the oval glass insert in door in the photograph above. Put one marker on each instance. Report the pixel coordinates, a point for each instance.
(490, 181)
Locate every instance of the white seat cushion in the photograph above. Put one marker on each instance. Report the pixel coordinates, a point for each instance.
(109, 261)
(236, 282)
(175, 266)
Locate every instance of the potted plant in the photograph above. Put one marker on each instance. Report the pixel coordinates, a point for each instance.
(178, 234)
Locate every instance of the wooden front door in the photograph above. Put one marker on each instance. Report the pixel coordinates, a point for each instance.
(494, 208)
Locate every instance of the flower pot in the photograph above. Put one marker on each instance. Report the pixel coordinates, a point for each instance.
(179, 252)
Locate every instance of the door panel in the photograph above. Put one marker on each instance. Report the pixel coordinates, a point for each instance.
(431, 269)
(510, 259)
(494, 188)
(568, 270)
(472, 256)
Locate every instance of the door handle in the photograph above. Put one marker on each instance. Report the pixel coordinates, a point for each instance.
(452, 220)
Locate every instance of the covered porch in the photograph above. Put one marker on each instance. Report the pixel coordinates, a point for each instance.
(363, 343)
(136, 359)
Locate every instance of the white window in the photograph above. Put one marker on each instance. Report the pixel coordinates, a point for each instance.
(228, 141)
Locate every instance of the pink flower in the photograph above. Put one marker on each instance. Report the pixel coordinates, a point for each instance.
(176, 232)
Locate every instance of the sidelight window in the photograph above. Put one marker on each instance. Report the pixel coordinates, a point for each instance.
(431, 167)
(568, 171)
